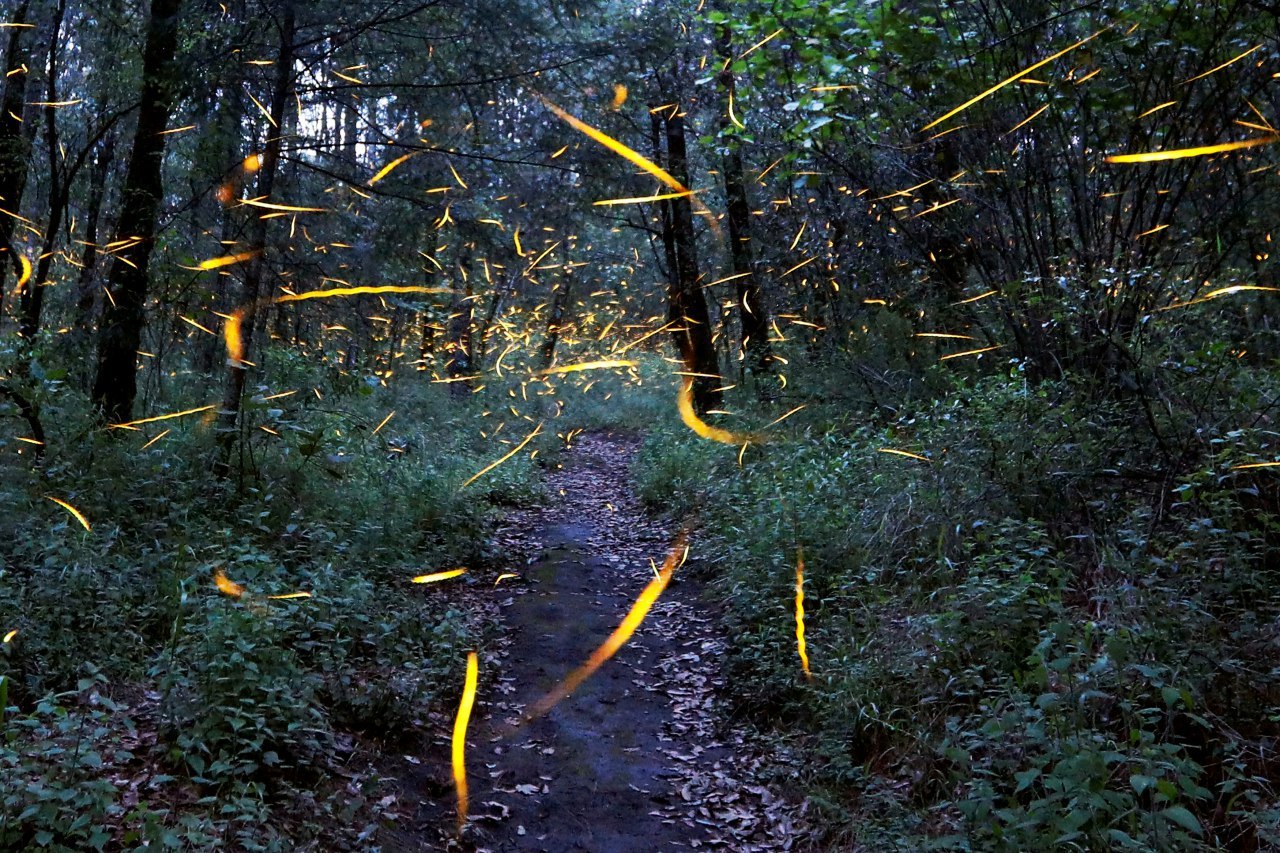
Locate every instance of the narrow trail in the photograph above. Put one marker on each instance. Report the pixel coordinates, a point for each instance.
(638, 758)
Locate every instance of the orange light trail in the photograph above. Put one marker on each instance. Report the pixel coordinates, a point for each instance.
(684, 402)
(486, 469)
(619, 637)
(460, 736)
(386, 170)
(132, 424)
(289, 595)
(231, 329)
(25, 276)
(643, 198)
(226, 585)
(970, 352)
(1255, 465)
(801, 648)
(154, 440)
(1015, 78)
(8, 638)
(1222, 291)
(1199, 151)
(226, 260)
(383, 423)
(439, 576)
(75, 513)
(1218, 68)
(588, 365)
(905, 453)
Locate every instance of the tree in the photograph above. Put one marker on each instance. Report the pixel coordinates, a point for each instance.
(115, 384)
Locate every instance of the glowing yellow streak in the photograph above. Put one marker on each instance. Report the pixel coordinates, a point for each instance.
(787, 415)
(75, 513)
(516, 238)
(346, 77)
(26, 440)
(386, 170)
(1222, 291)
(908, 191)
(289, 595)
(619, 97)
(797, 266)
(733, 118)
(560, 151)
(647, 335)
(1023, 73)
(976, 298)
(177, 130)
(773, 35)
(643, 198)
(942, 335)
(616, 147)
(25, 275)
(266, 205)
(684, 402)
(1153, 230)
(800, 644)
(383, 423)
(1027, 120)
(503, 577)
(262, 109)
(191, 322)
(796, 241)
(938, 206)
(226, 585)
(905, 453)
(131, 424)
(154, 440)
(232, 337)
(8, 638)
(356, 291)
(55, 103)
(439, 576)
(768, 169)
(456, 177)
(969, 352)
(588, 365)
(1218, 68)
(1200, 151)
(1158, 108)
(460, 736)
(226, 260)
(1260, 116)
(616, 640)
(486, 469)
(1233, 468)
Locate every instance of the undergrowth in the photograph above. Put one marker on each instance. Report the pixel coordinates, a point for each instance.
(1051, 626)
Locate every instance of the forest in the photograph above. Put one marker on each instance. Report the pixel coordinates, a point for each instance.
(750, 425)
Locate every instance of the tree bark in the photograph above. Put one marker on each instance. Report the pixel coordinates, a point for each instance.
(115, 386)
(555, 321)
(752, 310)
(15, 146)
(686, 303)
(233, 391)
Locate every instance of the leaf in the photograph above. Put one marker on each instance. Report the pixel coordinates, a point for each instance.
(1141, 783)
(1183, 818)
(1026, 778)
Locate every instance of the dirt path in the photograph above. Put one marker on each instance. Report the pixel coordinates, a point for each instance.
(637, 759)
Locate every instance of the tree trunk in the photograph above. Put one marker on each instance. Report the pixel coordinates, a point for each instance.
(458, 344)
(555, 321)
(686, 303)
(115, 385)
(754, 322)
(15, 147)
(87, 285)
(59, 195)
(229, 414)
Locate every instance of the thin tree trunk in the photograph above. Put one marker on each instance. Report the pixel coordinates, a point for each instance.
(686, 302)
(458, 345)
(754, 322)
(115, 386)
(59, 195)
(87, 285)
(229, 414)
(15, 146)
(555, 321)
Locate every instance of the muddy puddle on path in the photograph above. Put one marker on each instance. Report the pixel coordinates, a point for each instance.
(637, 759)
